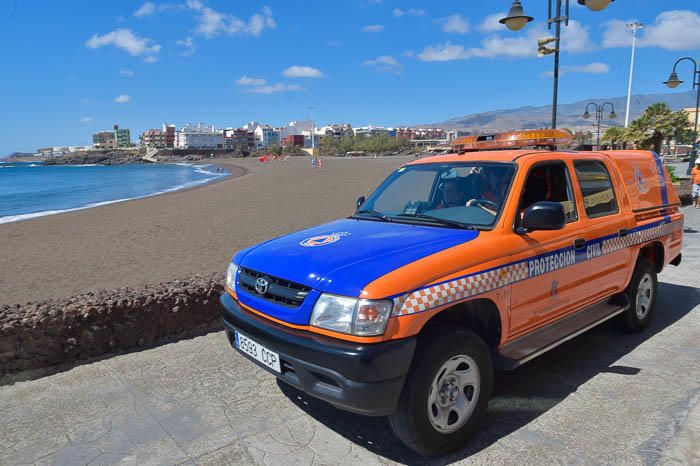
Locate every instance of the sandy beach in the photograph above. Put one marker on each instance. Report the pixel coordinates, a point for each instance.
(178, 234)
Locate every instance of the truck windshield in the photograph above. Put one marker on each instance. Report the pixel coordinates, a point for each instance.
(453, 195)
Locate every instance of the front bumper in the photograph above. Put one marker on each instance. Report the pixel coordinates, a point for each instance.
(361, 378)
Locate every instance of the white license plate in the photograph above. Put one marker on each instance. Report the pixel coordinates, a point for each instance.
(258, 352)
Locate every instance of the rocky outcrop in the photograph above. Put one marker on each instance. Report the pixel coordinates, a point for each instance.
(50, 332)
(114, 157)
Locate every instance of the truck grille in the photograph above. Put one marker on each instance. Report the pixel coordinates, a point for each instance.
(279, 290)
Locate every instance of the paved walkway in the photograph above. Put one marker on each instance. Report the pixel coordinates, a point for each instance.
(602, 398)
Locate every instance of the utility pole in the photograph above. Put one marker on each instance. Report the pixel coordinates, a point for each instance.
(634, 27)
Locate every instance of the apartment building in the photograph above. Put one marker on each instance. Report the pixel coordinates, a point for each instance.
(199, 136)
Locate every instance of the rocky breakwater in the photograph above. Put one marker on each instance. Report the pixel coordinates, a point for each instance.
(45, 333)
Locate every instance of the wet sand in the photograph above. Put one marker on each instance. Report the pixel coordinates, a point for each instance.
(178, 234)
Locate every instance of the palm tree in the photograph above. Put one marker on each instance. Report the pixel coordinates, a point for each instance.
(615, 136)
(656, 124)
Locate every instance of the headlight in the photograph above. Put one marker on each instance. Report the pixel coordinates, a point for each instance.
(362, 317)
(231, 276)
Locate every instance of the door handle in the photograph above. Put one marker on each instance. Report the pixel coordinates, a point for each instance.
(623, 232)
(579, 243)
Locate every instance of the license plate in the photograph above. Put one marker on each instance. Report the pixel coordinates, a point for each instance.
(258, 352)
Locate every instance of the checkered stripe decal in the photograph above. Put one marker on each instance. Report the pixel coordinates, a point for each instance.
(640, 236)
(461, 288)
(482, 282)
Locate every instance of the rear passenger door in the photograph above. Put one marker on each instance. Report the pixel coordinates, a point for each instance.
(552, 282)
(606, 226)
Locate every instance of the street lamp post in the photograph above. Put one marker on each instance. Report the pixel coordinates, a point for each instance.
(673, 82)
(599, 116)
(517, 19)
(634, 27)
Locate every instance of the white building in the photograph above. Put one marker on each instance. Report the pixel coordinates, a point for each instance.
(370, 131)
(266, 136)
(199, 136)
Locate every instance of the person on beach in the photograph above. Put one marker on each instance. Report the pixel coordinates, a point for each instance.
(695, 178)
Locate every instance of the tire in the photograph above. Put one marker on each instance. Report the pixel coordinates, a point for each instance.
(459, 362)
(641, 293)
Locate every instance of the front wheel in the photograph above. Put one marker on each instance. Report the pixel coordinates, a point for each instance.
(641, 293)
(446, 392)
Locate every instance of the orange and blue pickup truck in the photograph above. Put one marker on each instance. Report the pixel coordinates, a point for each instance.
(454, 266)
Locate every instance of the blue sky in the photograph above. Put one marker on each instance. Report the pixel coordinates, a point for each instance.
(74, 67)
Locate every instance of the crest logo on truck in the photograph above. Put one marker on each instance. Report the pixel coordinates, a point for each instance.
(641, 182)
(323, 240)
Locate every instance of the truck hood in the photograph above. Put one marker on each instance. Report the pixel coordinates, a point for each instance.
(343, 256)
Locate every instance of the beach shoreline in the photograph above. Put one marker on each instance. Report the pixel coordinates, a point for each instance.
(181, 233)
(234, 173)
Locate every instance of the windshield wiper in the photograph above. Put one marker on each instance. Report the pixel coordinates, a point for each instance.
(373, 213)
(444, 221)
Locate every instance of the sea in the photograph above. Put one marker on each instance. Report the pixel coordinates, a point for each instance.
(32, 189)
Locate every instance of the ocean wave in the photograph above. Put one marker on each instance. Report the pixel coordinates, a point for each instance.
(189, 184)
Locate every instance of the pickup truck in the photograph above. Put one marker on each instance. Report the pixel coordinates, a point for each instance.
(454, 266)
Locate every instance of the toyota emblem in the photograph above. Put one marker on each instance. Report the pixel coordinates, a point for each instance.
(262, 285)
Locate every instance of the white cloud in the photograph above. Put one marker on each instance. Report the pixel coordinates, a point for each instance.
(122, 99)
(86, 119)
(146, 9)
(574, 39)
(334, 43)
(455, 24)
(409, 53)
(302, 72)
(126, 73)
(398, 12)
(150, 59)
(444, 52)
(188, 46)
(260, 86)
(373, 28)
(491, 24)
(275, 88)
(591, 68)
(248, 81)
(128, 41)
(211, 23)
(671, 30)
(385, 64)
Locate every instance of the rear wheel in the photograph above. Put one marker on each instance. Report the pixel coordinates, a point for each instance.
(641, 293)
(446, 392)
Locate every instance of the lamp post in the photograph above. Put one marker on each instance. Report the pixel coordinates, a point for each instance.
(517, 19)
(673, 82)
(634, 27)
(599, 116)
(313, 136)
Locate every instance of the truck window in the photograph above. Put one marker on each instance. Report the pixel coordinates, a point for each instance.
(596, 188)
(445, 194)
(549, 182)
(418, 183)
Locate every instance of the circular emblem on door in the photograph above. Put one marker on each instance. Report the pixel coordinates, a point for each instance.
(262, 285)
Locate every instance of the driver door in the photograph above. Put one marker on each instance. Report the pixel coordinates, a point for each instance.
(552, 282)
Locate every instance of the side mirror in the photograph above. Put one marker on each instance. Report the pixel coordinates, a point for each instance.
(543, 215)
(360, 201)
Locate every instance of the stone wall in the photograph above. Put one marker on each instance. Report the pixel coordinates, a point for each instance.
(45, 333)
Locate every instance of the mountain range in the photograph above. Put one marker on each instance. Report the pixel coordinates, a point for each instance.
(568, 115)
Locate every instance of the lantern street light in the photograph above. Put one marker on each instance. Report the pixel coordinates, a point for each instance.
(599, 116)
(517, 19)
(673, 81)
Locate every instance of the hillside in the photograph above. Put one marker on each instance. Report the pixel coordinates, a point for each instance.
(569, 115)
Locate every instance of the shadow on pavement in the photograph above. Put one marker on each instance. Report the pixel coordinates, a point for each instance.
(521, 395)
